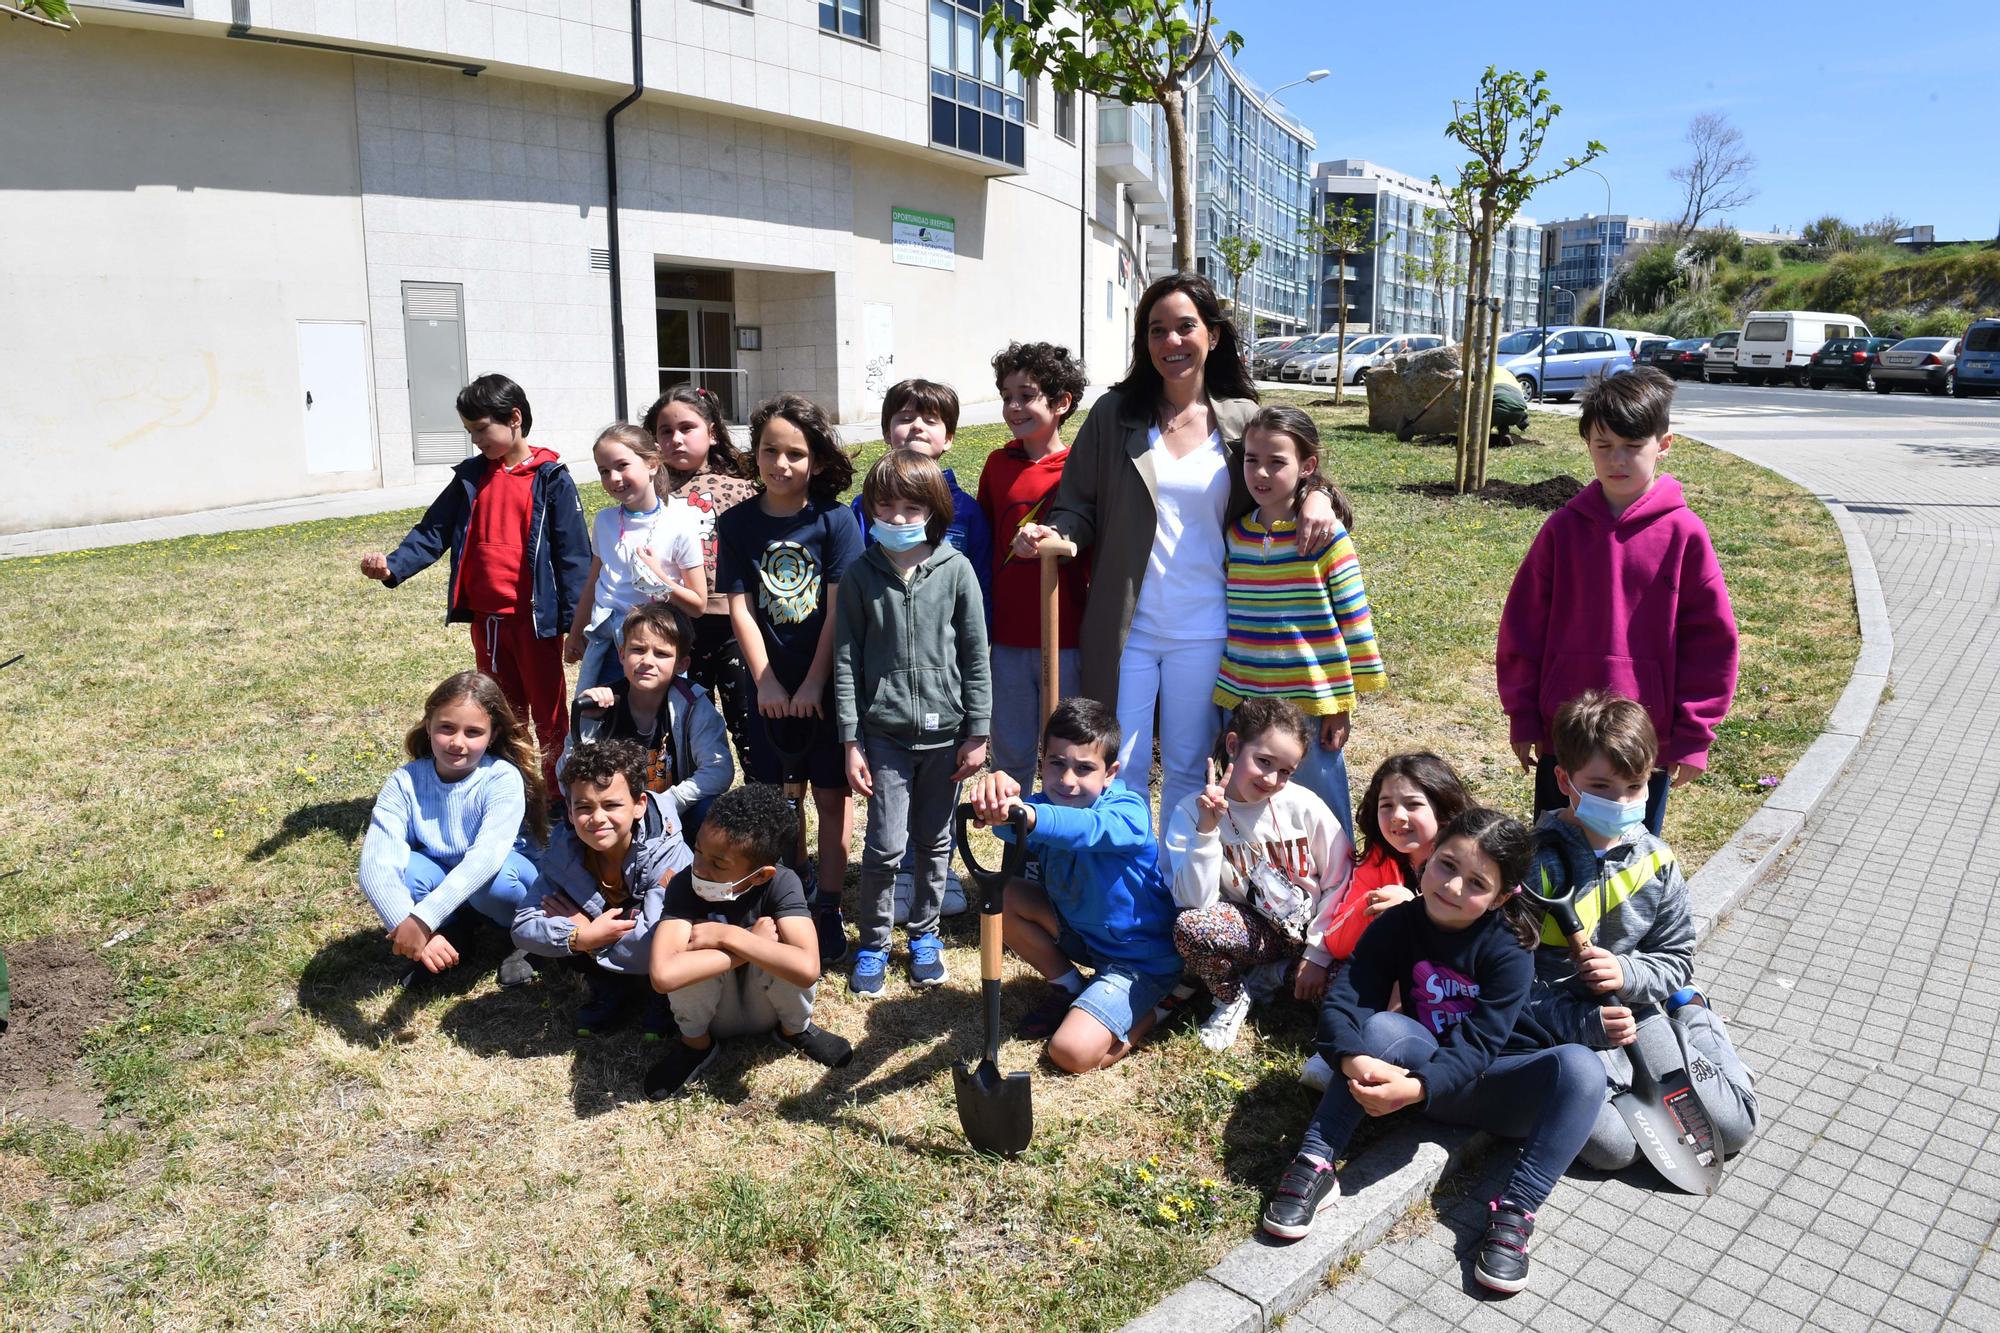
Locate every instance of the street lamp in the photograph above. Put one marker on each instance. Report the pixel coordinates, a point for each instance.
(1604, 292)
(1264, 105)
(1541, 383)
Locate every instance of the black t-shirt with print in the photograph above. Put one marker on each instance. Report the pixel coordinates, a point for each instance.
(784, 566)
(781, 897)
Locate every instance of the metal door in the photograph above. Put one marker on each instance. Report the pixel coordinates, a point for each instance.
(333, 385)
(434, 352)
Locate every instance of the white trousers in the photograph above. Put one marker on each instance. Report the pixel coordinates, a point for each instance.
(1179, 676)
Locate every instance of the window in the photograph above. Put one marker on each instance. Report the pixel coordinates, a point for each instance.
(1065, 116)
(849, 18)
(978, 104)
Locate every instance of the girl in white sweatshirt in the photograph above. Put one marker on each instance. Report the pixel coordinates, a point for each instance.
(1250, 813)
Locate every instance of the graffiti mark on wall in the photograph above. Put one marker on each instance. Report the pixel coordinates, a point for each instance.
(139, 396)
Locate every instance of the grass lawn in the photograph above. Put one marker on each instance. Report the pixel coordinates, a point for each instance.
(187, 757)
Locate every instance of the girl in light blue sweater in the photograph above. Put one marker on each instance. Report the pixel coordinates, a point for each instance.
(446, 832)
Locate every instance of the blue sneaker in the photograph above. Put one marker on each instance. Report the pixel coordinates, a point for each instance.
(927, 960)
(871, 967)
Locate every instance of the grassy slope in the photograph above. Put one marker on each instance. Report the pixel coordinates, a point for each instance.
(190, 751)
(1934, 294)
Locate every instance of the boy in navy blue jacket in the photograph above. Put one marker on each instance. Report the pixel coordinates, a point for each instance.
(520, 555)
(1102, 902)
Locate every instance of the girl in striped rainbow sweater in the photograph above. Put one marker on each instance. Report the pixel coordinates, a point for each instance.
(1299, 626)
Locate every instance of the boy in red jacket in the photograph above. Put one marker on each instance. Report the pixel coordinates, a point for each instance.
(520, 554)
(1621, 591)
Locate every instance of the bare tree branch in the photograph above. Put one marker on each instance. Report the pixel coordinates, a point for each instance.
(1717, 178)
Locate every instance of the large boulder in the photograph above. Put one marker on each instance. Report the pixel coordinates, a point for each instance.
(1415, 394)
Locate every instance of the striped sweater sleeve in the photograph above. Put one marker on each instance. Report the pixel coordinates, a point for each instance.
(385, 852)
(1357, 625)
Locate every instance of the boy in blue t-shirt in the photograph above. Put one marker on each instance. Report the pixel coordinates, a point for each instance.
(1102, 902)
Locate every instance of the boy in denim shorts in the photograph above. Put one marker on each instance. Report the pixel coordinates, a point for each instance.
(1102, 903)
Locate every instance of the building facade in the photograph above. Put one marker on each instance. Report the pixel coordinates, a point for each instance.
(284, 232)
(1392, 288)
(1584, 251)
(1252, 178)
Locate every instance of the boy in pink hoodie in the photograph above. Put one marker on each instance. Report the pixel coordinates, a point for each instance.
(1621, 591)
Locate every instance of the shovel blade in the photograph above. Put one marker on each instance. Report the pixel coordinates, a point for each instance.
(1672, 1129)
(996, 1110)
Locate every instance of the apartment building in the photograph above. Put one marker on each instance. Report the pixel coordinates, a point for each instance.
(1585, 250)
(1390, 288)
(273, 237)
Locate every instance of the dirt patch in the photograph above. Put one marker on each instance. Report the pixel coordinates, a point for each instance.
(61, 990)
(1546, 495)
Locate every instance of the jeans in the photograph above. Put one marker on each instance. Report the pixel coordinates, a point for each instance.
(1549, 1097)
(1733, 1107)
(497, 900)
(911, 808)
(1323, 772)
(1179, 676)
(1548, 796)
(600, 664)
(1017, 707)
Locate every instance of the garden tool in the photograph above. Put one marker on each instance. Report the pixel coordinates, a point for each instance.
(996, 1110)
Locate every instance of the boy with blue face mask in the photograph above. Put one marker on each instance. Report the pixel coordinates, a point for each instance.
(1635, 909)
(913, 701)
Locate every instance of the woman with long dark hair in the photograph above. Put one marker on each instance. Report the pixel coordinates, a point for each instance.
(1153, 480)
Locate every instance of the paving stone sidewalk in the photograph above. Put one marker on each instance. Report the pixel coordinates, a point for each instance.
(1862, 981)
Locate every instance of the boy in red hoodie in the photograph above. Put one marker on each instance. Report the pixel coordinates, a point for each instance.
(1621, 591)
(520, 554)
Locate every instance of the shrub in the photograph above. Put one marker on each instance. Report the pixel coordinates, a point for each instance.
(1847, 285)
(1945, 322)
(1721, 243)
(1761, 258)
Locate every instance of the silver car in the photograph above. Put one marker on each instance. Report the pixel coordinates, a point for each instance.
(1360, 362)
(1323, 367)
(1918, 363)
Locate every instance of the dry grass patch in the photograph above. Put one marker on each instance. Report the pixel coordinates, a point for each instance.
(189, 753)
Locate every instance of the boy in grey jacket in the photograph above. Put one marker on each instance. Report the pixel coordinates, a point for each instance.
(1635, 909)
(913, 699)
(603, 871)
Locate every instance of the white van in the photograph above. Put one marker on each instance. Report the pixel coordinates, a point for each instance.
(1777, 344)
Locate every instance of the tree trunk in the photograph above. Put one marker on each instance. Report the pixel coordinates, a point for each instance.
(1468, 379)
(1340, 348)
(1177, 154)
(1482, 401)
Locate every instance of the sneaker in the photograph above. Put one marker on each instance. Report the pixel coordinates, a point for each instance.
(1306, 1190)
(680, 1065)
(815, 1043)
(1502, 1263)
(1040, 1023)
(1219, 1029)
(871, 967)
(832, 928)
(1316, 1073)
(516, 970)
(927, 960)
(656, 1022)
(604, 1011)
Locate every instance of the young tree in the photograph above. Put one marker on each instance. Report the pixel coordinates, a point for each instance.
(1436, 266)
(1503, 128)
(1239, 256)
(1129, 50)
(1342, 232)
(1717, 177)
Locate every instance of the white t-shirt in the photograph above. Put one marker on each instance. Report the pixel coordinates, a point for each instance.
(1185, 593)
(616, 537)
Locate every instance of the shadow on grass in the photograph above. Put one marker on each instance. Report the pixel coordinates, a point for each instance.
(345, 818)
(357, 968)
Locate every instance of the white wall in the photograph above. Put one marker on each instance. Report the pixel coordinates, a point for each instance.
(171, 211)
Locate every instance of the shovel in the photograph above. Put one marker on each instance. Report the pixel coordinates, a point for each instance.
(1661, 1108)
(996, 1110)
(1052, 549)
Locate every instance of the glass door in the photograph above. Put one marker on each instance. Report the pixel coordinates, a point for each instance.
(697, 336)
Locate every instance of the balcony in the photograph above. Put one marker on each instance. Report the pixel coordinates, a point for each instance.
(1129, 151)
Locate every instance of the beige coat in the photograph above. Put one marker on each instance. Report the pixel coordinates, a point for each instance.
(1108, 502)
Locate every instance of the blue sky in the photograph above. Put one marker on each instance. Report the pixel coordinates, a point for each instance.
(1849, 108)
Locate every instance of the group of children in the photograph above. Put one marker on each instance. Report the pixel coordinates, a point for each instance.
(893, 649)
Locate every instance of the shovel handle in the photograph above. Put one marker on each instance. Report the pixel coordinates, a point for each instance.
(1052, 549)
(992, 883)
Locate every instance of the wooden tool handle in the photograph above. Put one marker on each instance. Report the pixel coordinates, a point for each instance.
(1052, 549)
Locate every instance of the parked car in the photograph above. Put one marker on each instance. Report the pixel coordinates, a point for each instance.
(1573, 355)
(1320, 369)
(1285, 366)
(1682, 358)
(1978, 368)
(1643, 348)
(1778, 344)
(1918, 363)
(1267, 350)
(1848, 361)
(1720, 362)
(1360, 363)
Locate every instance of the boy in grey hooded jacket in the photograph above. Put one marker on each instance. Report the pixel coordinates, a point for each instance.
(913, 699)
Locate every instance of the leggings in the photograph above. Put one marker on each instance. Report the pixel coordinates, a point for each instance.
(717, 666)
(1549, 1097)
(1223, 941)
